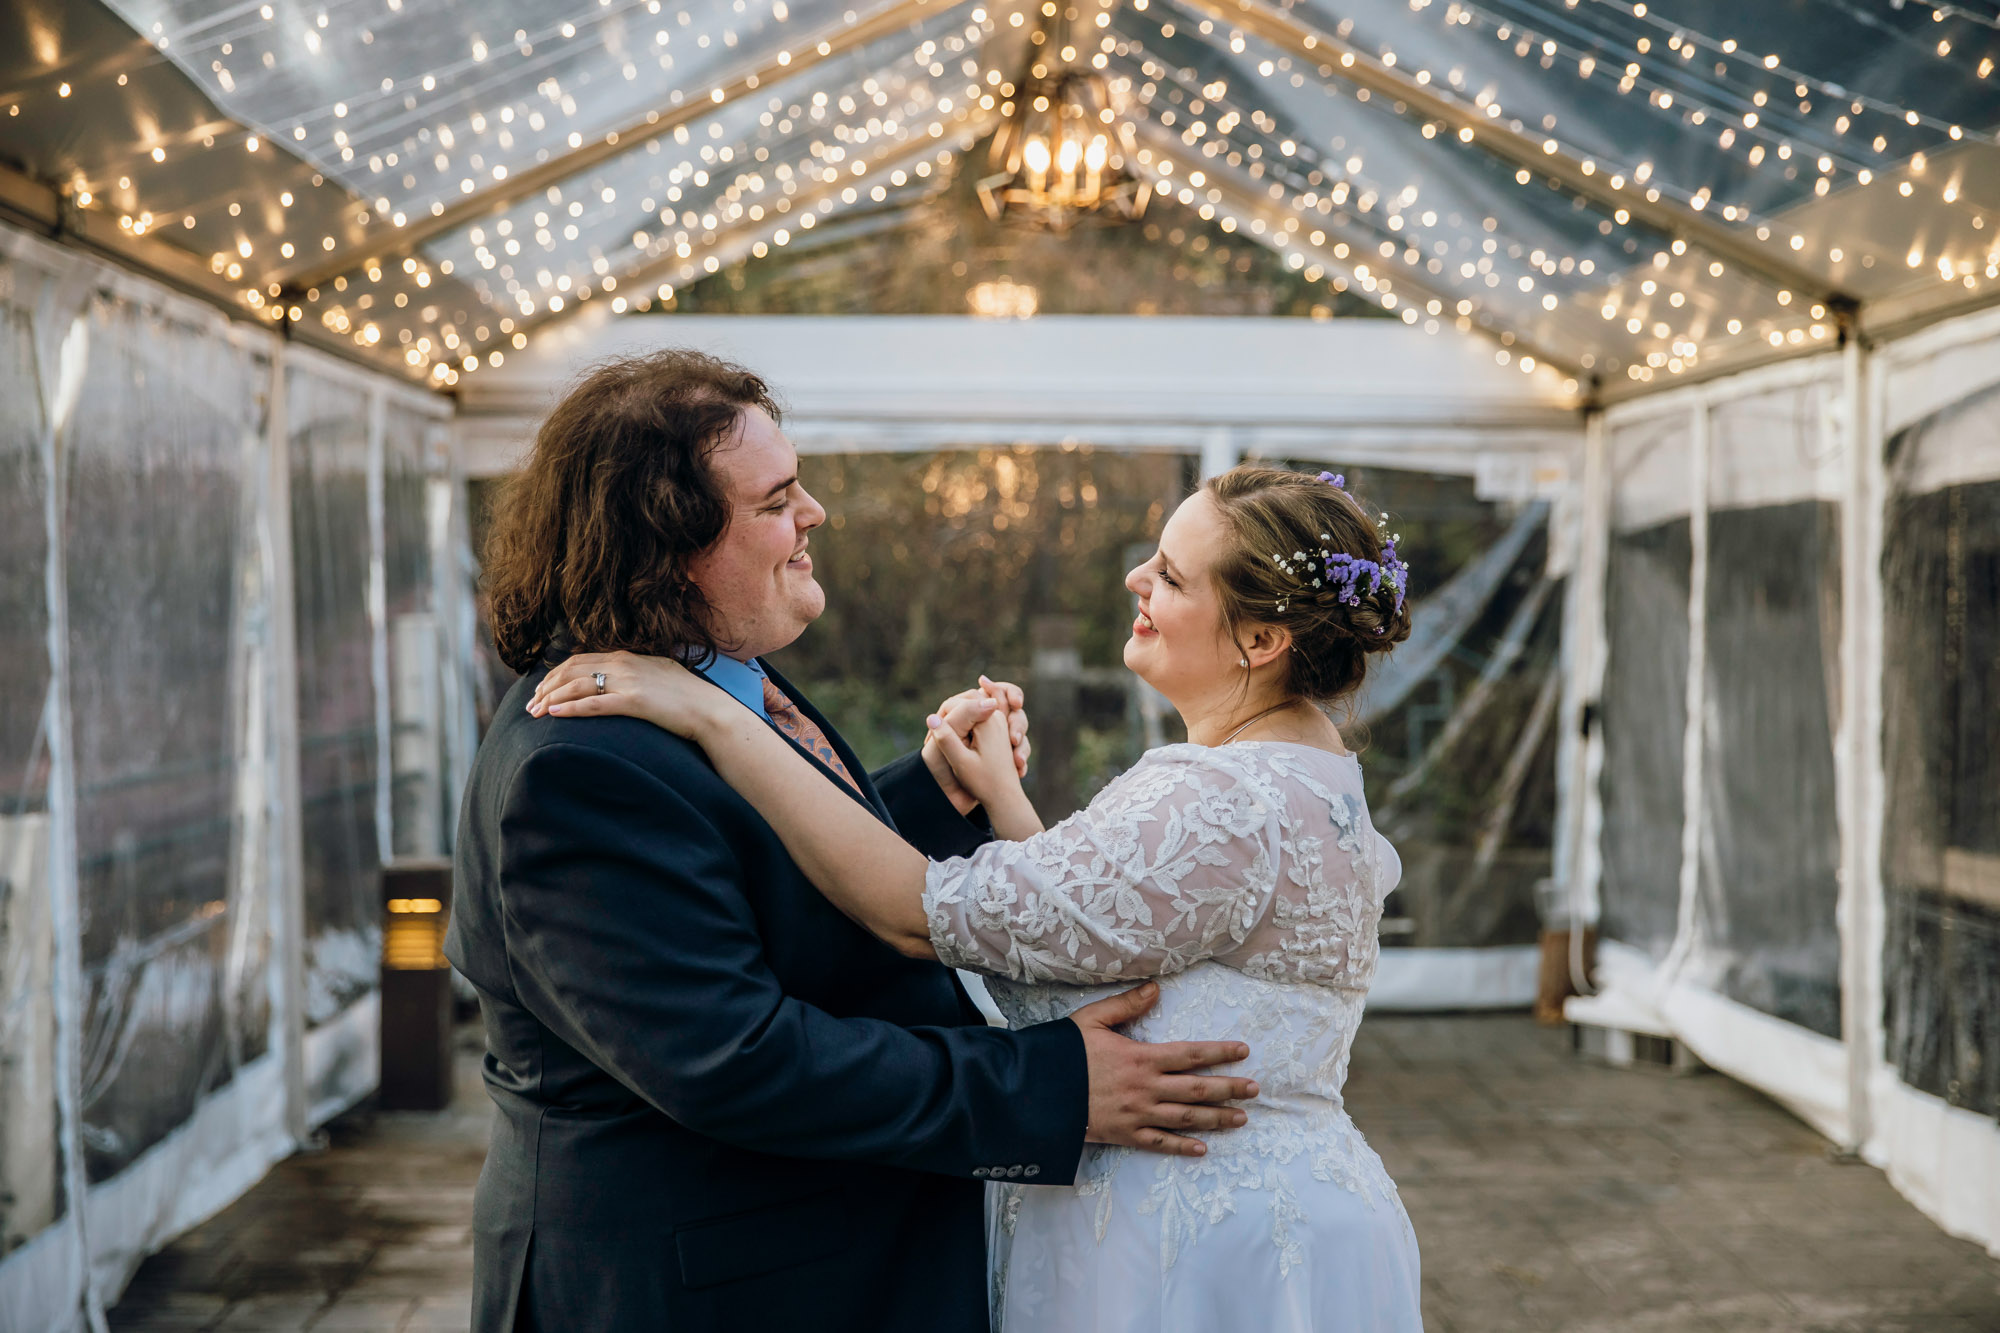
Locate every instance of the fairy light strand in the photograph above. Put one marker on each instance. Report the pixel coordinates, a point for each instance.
(1732, 50)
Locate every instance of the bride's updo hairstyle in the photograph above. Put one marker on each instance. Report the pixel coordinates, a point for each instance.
(1304, 555)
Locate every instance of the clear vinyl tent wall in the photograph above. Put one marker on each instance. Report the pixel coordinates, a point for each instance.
(220, 593)
(1788, 785)
(1932, 1059)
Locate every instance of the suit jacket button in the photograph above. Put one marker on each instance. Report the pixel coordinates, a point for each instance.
(1014, 1171)
(979, 1171)
(1032, 1171)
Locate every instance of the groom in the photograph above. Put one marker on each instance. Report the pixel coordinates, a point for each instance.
(722, 1104)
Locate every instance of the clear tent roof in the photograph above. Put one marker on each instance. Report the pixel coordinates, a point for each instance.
(1624, 192)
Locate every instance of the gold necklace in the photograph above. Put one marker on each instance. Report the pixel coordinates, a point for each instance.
(1258, 717)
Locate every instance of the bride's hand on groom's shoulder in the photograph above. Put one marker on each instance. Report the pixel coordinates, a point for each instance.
(622, 684)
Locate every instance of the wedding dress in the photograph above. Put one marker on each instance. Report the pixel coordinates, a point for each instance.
(1248, 879)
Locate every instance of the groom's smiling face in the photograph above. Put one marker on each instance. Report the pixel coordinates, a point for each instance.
(758, 577)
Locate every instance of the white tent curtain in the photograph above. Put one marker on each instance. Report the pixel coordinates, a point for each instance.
(150, 1039)
(1934, 1061)
(1769, 846)
(1720, 843)
(1645, 679)
(1799, 885)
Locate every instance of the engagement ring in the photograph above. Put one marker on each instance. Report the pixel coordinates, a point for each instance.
(598, 676)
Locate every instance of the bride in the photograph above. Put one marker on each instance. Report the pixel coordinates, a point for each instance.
(1239, 871)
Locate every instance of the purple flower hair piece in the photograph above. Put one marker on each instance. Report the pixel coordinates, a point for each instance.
(1344, 573)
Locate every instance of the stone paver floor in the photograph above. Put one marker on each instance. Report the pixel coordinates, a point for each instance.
(1554, 1194)
(1548, 1193)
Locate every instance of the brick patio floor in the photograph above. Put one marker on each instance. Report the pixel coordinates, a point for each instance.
(1548, 1193)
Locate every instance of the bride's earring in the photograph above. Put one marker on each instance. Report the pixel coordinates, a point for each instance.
(1243, 661)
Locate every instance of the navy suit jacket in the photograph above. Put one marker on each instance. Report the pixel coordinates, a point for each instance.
(722, 1104)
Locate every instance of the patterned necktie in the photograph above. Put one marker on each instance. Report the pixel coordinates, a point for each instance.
(795, 724)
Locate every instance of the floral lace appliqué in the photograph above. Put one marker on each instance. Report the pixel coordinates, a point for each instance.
(1249, 880)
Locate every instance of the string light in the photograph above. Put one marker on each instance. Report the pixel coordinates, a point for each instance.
(1344, 182)
(1683, 346)
(766, 174)
(419, 141)
(1731, 50)
(743, 156)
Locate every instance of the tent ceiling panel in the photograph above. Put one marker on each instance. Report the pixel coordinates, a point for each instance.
(677, 256)
(409, 103)
(583, 152)
(1402, 210)
(1529, 264)
(1694, 293)
(1711, 181)
(116, 148)
(753, 159)
(1452, 118)
(1623, 84)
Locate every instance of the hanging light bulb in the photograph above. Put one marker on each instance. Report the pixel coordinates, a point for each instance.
(1061, 156)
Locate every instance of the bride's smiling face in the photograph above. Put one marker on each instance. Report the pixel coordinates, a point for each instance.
(1179, 644)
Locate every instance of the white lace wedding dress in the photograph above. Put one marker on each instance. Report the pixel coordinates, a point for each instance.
(1249, 880)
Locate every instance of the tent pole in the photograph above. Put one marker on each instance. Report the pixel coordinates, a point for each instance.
(1583, 671)
(1860, 910)
(60, 359)
(1220, 451)
(1694, 732)
(378, 625)
(289, 920)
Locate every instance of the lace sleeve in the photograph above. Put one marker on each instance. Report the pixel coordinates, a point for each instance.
(1171, 864)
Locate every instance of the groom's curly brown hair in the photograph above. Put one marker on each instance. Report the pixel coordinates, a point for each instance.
(591, 538)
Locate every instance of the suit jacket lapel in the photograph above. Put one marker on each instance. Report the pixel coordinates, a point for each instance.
(867, 795)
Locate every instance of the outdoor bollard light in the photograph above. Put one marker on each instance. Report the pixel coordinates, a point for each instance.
(416, 987)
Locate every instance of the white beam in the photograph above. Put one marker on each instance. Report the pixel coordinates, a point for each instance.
(1280, 387)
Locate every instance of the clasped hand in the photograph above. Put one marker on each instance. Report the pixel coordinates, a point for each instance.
(989, 722)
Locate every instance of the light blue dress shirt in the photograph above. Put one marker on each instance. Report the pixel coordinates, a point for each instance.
(744, 681)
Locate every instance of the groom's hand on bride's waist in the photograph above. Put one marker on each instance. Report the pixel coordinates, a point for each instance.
(1150, 1096)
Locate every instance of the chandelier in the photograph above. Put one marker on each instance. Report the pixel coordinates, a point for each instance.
(1061, 155)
